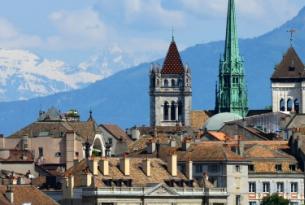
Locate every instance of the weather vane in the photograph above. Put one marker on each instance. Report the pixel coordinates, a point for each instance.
(291, 31)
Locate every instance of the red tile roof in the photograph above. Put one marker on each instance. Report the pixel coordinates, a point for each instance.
(26, 194)
(172, 63)
(291, 67)
(116, 131)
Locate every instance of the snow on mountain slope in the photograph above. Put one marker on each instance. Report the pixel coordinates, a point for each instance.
(25, 75)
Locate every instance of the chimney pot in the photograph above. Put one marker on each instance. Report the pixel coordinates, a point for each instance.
(189, 170)
(146, 167)
(172, 164)
(125, 166)
(93, 165)
(104, 165)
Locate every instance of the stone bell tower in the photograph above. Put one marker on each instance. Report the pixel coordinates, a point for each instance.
(170, 91)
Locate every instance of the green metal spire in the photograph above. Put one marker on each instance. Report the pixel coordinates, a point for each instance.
(232, 92)
(231, 47)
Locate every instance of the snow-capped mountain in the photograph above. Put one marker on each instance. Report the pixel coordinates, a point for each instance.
(25, 75)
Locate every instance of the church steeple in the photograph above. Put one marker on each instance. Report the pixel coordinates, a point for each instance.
(232, 93)
(231, 45)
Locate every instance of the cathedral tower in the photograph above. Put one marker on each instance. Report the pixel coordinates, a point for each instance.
(170, 91)
(231, 92)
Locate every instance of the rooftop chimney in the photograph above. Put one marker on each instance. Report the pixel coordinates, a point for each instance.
(172, 164)
(104, 166)
(172, 142)
(93, 165)
(146, 167)
(86, 178)
(9, 194)
(68, 187)
(151, 147)
(186, 143)
(189, 169)
(125, 166)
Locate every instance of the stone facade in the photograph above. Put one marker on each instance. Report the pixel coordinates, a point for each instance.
(288, 97)
(170, 91)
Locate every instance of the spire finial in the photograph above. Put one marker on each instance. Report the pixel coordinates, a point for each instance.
(292, 31)
(173, 37)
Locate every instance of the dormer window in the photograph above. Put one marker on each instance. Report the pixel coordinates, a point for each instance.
(291, 68)
(278, 167)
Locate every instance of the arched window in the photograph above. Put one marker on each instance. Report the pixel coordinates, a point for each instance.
(165, 83)
(282, 105)
(165, 110)
(173, 111)
(158, 82)
(297, 105)
(180, 111)
(289, 105)
(173, 83)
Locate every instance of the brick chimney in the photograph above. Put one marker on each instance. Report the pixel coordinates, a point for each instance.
(146, 167)
(93, 165)
(125, 166)
(172, 164)
(104, 166)
(9, 194)
(189, 169)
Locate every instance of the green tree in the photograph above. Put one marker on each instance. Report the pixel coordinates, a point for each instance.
(275, 199)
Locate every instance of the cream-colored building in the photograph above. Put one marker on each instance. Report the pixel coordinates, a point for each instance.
(137, 181)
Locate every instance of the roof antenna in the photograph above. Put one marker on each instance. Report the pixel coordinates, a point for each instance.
(292, 31)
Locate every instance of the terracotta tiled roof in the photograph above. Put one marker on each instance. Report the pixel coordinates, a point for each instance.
(26, 194)
(141, 144)
(198, 119)
(221, 136)
(172, 63)
(209, 151)
(265, 158)
(159, 172)
(291, 67)
(116, 131)
(86, 129)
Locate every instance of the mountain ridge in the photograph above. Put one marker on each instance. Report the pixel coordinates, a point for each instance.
(123, 97)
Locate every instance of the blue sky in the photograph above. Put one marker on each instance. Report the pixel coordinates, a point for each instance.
(73, 30)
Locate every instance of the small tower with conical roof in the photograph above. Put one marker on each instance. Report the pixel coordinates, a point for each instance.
(232, 92)
(170, 91)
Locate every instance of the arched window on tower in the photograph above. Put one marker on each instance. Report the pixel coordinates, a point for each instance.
(158, 82)
(282, 105)
(173, 83)
(180, 111)
(173, 111)
(297, 105)
(166, 83)
(165, 111)
(289, 105)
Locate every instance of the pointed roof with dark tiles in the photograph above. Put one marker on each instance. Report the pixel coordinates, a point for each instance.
(173, 63)
(290, 68)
